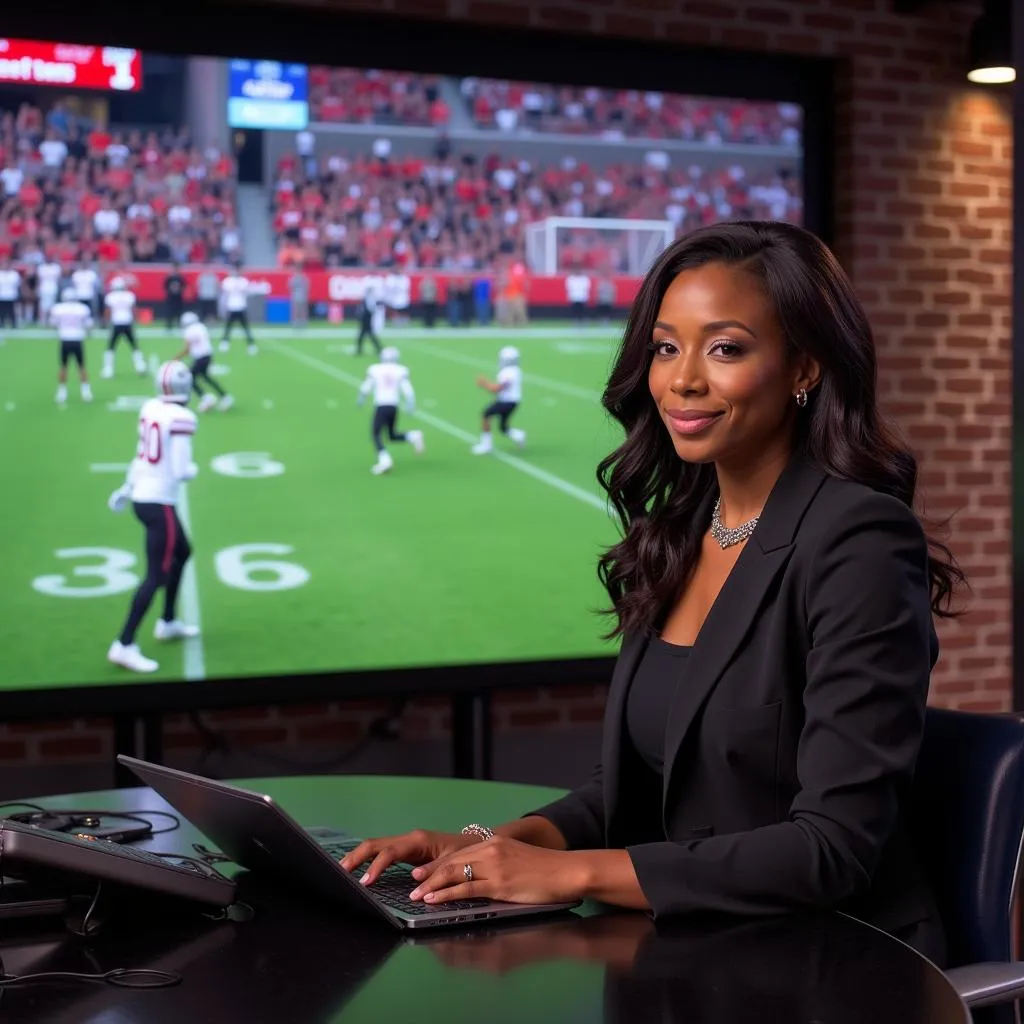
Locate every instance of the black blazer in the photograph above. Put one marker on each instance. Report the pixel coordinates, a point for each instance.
(792, 735)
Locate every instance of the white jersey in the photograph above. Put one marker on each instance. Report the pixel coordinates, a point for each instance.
(49, 275)
(197, 337)
(388, 382)
(577, 288)
(85, 282)
(10, 285)
(236, 294)
(121, 305)
(72, 320)
(163, 457)
(511, 380)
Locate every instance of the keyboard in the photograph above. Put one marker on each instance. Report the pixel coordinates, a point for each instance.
(30, 853)
(395, 883)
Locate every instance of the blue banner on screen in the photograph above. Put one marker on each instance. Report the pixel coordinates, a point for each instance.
(268, 94)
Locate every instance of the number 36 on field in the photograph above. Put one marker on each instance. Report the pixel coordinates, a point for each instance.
(102, 572)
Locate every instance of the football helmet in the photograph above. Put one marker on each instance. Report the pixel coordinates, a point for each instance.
(174, 381)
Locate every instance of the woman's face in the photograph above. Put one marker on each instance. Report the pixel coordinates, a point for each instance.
(722, 375)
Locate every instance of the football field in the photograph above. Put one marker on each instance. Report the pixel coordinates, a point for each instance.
(302, 560)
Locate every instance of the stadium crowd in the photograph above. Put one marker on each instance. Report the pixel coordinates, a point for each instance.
(71, 190)
(347, 95)
(459, 211)
(351, 96)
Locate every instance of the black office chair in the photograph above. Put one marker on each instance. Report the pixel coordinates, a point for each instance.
(969, 827)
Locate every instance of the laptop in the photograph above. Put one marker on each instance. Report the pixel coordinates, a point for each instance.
(254, 831)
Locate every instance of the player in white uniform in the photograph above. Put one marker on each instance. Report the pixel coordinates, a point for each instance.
(163, 461)
(49, 275)
(577, 291)
(72, 320)
(86, 283)
(10, 292)
(120, 304)
(199, 347)
(388, 381)
(235, 289)
(508, 393)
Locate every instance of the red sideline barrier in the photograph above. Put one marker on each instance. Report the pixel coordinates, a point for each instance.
(347, 285)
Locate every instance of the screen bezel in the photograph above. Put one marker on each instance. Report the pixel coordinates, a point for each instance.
(359, 39)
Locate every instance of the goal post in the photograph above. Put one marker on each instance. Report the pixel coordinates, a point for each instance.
(633, 244)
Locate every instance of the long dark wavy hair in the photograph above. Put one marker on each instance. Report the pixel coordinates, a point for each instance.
(657, 495)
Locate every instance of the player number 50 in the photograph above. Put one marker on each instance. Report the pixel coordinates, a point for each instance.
(237, 568)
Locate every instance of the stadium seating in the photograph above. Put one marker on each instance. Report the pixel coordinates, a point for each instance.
(402, 98)
(71, 190)
(350, 96)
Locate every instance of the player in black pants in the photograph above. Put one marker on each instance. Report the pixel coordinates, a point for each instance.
(366, 312)
(199, 347)
(388, 381)
(167, 551)
(163, 462)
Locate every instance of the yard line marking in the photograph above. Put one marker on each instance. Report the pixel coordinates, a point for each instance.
(510, 460)
(571, 390)
(195, 657)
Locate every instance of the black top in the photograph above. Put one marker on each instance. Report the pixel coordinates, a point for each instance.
(650, 694)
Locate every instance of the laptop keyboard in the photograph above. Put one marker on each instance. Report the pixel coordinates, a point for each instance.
(395, 884)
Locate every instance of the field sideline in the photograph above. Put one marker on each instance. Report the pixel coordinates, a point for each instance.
(303, 560)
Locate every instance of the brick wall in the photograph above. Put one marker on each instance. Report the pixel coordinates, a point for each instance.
(923, 170)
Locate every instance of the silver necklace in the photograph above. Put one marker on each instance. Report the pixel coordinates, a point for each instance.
(725, 536)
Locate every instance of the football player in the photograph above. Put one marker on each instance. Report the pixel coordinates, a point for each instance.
(72, 320)
(371, 313)
(120, 305)
(200, 348)
(163, 462)
(388, 380)
(508, 393)
(235, 289)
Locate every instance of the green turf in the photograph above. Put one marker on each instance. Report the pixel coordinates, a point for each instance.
(449, 559)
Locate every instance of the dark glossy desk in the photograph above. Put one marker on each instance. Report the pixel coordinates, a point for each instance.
(300, 963)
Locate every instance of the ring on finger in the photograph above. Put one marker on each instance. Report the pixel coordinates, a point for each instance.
(467, 870)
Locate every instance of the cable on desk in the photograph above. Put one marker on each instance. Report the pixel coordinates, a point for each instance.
(122, 977)
(124, 815)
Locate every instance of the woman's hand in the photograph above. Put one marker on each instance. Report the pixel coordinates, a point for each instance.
(502, 869)
(417, 847)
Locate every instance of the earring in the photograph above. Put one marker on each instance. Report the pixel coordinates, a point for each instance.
(801, 397)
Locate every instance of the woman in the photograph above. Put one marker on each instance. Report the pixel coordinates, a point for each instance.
(774, 593)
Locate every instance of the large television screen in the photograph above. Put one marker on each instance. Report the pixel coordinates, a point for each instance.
(473, 214)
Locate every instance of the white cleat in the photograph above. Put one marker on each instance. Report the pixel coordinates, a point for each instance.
(225, 403)
(62, 395)
(383, 464)
(130, 657)
(107, 372)
(86, 393)
(416, 440)
(481, 449)
(252, 350)
(207, 402)
(518, 437)
(176, 630)
(223, 346)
